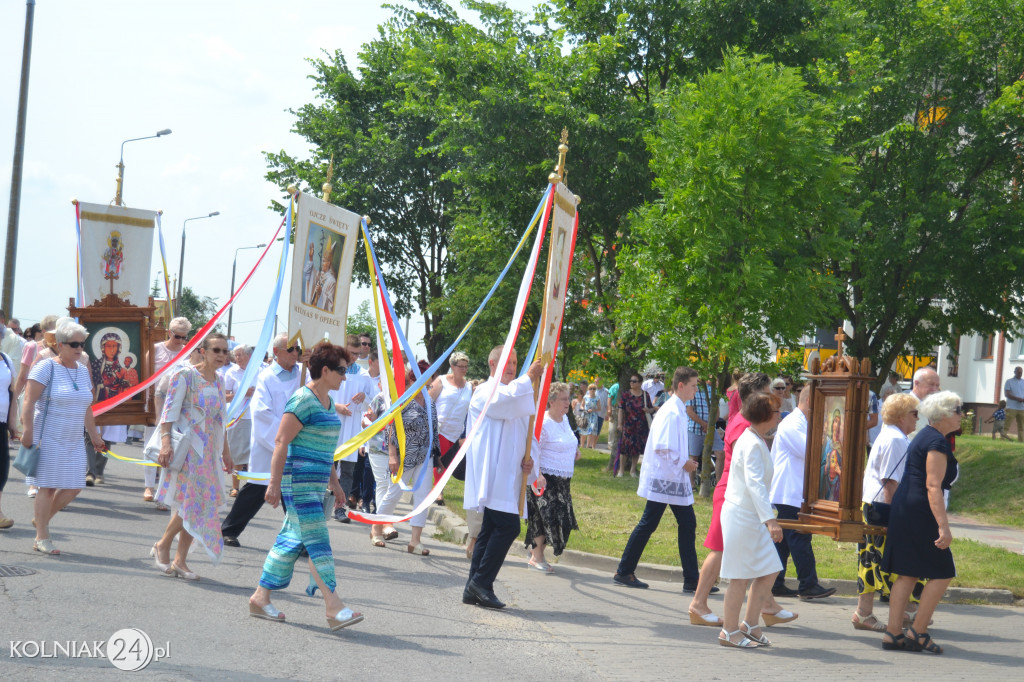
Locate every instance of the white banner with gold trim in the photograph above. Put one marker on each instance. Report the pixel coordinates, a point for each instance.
(563, 222)
(325, 247)
(116, 253)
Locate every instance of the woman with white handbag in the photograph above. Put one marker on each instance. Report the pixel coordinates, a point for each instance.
(192, 442)
(56, 410)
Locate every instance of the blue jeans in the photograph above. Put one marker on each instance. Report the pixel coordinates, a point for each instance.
(687, 521)
(797, 545)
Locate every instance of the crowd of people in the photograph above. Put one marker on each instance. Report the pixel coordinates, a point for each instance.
(305, 403)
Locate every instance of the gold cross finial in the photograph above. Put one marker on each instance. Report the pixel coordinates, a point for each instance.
(840, 337)
(327, 187)
(558, 175)
(565, 136)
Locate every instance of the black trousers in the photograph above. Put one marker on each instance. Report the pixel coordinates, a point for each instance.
(247, 504)
(497, 533)
(686, 536)
(799, 546)
(5, 456)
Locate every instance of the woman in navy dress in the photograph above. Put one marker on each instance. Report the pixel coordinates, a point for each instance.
(919, 536)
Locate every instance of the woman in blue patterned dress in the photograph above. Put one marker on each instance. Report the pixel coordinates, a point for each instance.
(195, 405)
(299, 474)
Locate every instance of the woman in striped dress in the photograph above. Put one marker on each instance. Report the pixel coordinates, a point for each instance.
(299, 473)
(58, 397)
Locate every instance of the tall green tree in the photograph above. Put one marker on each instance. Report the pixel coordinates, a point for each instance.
(198, 309)
(751, 196)
(933, 110)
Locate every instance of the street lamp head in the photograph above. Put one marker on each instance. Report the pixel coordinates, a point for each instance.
(213, 214)
(165, 131)
(261, 246)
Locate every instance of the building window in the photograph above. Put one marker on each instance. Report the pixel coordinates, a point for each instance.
(987, 343)
(1020, 347)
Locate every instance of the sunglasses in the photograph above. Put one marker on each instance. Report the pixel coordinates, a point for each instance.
(780, 388)
(340, 369)
(218, 351)
(179, 337)
(365, 343)
(959, 409)
(75, 344)
(293, 349)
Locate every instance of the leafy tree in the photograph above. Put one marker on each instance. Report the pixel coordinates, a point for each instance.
(933, 106)
(751, 197)
(197, 309)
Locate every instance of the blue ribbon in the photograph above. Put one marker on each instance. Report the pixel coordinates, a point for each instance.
(421, 380)
(533, 351)
(239, 403)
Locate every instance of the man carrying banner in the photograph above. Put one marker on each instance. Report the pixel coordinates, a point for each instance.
(274, 386)
(494, 470)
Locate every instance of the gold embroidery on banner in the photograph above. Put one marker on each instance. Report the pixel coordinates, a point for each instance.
(117, 219)
(565, 204)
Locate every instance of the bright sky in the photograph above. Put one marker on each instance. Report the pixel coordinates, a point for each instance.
(220, 75)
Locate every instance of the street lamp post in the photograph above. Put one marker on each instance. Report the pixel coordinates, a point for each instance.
(234, 265)
(181, 262)
(120, 164)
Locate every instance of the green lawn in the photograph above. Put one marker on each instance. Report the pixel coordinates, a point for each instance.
(608, 508)
(991, 484)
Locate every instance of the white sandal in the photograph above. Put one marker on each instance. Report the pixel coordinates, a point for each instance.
(745, 643)
(748, 631)
(343, 619)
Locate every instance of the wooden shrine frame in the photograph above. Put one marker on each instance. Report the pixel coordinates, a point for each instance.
(137, 322)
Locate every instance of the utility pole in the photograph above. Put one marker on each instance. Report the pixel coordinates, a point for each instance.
(10, 257)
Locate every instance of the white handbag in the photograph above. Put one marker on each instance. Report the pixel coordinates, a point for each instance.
(180, 444)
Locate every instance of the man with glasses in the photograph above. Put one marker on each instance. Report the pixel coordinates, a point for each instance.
(163, 353)
(274, 386)
(365, 345)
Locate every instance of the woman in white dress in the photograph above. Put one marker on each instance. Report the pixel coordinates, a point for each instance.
(58, 401)
(749, 528)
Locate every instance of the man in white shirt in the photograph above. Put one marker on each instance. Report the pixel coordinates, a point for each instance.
(1014, 390)
(350, 401)
(495, 466)
(274, 386)
(602, 404)
(240, 434)
(926, 382)
(787, 495)
(653, 385)
(665, 482)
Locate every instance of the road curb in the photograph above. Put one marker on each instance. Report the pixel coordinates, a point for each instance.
(454, 526)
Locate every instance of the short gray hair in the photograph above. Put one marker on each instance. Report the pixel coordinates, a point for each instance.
(938, 406)
(556, 389)
(280, 341)
(48, 323)
(242, 348)
(180, 324)
(70, 330)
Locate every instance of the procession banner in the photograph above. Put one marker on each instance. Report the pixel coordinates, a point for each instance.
(115, 252)
(325, 246)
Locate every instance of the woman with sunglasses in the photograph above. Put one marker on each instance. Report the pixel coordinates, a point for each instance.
(55, 413)
(882, 474)
(919, 536)
(163, 352)
(196, 407)
(300, 470)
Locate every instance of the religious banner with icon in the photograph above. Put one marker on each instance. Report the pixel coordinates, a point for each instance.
(115, 253)
(325, 246)
(563, 238)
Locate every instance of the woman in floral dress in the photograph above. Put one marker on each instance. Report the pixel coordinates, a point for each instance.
(195, 406)
(634, 426)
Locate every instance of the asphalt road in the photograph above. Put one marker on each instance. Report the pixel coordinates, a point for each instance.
(575, 625)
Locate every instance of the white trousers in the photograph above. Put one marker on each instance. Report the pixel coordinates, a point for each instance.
(388, 493)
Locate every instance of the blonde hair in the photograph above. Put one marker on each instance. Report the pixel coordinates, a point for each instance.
(897, 406)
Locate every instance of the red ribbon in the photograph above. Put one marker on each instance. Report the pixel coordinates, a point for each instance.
(110, 403)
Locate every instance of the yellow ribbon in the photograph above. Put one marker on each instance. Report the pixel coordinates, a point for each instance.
(131, 460)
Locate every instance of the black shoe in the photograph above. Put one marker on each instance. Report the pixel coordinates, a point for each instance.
(231, 541)
(784, 592)
(90, 480)
(485, 598)
(630, 581)
(468, 598)
(341, 516)
(692, 589)
(817, 592)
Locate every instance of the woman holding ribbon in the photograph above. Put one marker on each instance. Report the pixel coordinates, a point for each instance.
(56, 411)
(195, 407)
(300, 470)
(551, 517)
(418, 427)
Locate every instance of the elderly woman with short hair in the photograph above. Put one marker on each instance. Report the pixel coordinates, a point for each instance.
(881, 476)
(919, 535)
(56, 411)
(163, 352)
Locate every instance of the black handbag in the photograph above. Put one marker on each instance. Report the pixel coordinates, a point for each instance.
(877, 513)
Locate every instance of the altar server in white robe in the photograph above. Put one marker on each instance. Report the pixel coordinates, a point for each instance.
(274, 386)
(350, 401)
(495, 467)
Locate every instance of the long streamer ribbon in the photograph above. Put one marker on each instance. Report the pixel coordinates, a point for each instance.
(510, 339)
(239, 402)
(79, 284)
(111, 403)
(373, 429)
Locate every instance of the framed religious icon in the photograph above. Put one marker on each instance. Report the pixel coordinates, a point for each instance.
(836, 447)
(119, 349)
